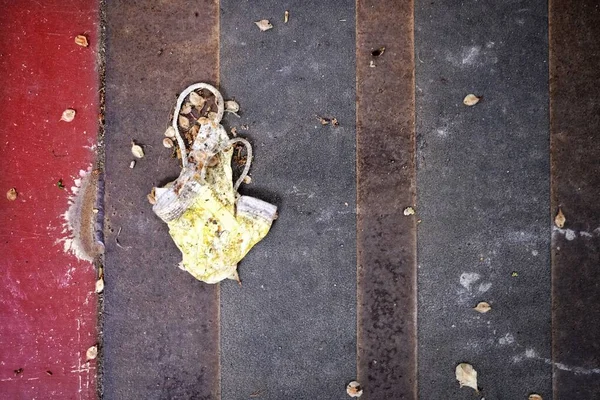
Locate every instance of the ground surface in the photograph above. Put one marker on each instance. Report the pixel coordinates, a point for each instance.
(345, 286)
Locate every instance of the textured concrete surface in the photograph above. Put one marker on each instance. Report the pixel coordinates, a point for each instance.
(483, 197)
(161, 325)
(575, 127)
(289, 331)
(386, 245)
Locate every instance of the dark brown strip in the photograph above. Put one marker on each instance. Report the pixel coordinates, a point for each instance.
(161, 326)
(386, 238)
(575, 150)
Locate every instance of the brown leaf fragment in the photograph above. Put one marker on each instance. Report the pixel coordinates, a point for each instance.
(483, 307)
(91, 353)
(68, 115)
(137, 150)
(186, 109)
(471, 100)
(324, 121)
(354, 389)
(81, 40)
(197, 100)
(264, 25)
(378, 52)
(184, 123)
(170, 132)
(12, 194)
(168, 143)
(560, 219)
(466, 376)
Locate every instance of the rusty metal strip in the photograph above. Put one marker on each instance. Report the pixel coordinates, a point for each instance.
(386, 239)
(161, 326)
(575, 152)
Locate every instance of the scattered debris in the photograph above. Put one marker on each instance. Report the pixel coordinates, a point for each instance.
(335, 122)
(68, 115)
(378, 52)
(132, 164)
(514, 274)
(409, 211)
(91, 353)
(324, 121)
(247, 180)
(234, 131)
(168, 143)
(184, 123)
(18, 371)
(372, 64)
(535, 397)
(471, 100)
(286, 16)
(245, 127)
(60, 184)
(264, 25)
(49, 373)
(483, 307)
(137, 150)
(466, 376)
(100, 285)
(560, 219)
(170, 132)
(81, 40)
(354, 389)
(197, 100)
(12, 194)
(152, 197)
(232, 106)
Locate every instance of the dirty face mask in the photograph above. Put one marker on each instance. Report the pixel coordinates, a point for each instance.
(212, 225)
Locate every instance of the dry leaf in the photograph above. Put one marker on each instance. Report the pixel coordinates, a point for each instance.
(99, 285)
(151, 197)
(81, 40)
(170, 132)
(409, 211)
(264, 25)
(471, 100)
(12, 194)
(197, 100)
(203, 120)
(483, 307)
(91, 353)
(137, 150)
(68, 115)
(535, 397)
(354, 389)
(286, 16)
(378, 52)
(168, 143)
(132, 164)
(466, 376)
(560, 219)
(184, 122)
(186, 109)
(232, 106)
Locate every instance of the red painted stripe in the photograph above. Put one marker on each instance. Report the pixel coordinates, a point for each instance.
(47, 302)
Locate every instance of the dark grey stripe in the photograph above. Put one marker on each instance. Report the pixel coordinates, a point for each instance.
(161, 325)
(483, 197)
(289, 331)
(575, 127)
(386, 186)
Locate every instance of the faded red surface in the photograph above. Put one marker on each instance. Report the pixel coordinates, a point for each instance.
(47, 299)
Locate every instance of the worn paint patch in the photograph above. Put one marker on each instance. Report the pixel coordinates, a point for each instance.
(81, 217)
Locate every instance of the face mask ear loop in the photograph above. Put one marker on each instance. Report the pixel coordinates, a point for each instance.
(180, 99)
(248, 160)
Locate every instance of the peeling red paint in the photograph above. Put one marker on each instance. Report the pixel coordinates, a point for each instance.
(48, 304)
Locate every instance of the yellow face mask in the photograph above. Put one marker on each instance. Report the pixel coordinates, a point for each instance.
(209, 222)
